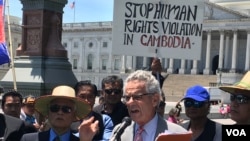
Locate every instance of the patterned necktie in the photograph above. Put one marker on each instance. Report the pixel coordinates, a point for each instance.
(138, 136)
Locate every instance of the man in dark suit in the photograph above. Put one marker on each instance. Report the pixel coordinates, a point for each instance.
(11, 129)
(61, 108)
(11, 105)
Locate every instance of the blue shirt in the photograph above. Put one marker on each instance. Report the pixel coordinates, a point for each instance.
(63, 137)
(149, 129)
(30, 119)
(108, 128)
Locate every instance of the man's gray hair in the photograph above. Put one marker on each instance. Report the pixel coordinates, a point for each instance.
(152, 85)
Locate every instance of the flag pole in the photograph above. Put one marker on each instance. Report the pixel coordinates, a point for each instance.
(10, 44)
(74, 10)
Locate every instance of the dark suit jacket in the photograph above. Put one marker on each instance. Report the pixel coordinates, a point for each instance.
(43, 136)
(29, 128)
(11, 128)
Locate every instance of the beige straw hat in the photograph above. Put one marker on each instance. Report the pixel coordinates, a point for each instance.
(66, 92)
(243, 86)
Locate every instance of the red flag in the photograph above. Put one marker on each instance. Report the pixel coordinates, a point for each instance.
(4, 55)
(72, 5)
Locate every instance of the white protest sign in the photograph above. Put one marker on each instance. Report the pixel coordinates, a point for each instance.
(173, 27)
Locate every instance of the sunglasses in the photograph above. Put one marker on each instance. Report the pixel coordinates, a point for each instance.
(55, 108)
(193, 103)
(240, 99)
(135, 97)
(115, 91)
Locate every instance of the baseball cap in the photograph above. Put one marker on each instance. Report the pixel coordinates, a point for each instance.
(197, 93)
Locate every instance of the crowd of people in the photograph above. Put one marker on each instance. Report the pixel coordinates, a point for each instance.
(130, 110)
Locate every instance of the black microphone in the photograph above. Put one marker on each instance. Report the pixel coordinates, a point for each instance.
(126, 121)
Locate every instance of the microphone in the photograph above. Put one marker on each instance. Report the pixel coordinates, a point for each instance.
(126, 121)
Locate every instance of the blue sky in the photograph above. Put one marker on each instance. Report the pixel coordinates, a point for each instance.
(85, 10)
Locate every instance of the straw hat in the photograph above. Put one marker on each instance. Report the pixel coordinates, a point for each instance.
(30, 99)
(240, 87)
(65, 92)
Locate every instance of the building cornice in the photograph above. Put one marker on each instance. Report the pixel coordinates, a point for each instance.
(88, 30)
(229, 24)
(87, 27)
(227, 9)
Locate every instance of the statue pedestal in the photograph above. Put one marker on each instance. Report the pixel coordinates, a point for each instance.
(39, 75)
(42, 61)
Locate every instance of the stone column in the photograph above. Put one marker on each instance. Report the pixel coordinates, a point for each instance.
(234, 53)
(81, 61)
(226, 58)
(134, 63)
(182, 69)
(123, 69)
(207, 67)
(171, 66)
(189, 65)
(110, 62)
(144, 62)
(166, 64)
(194, 70)
(247, 60)
(42, 28)
(129, 62)
(221, 50)
(97, 57)
(70, 48)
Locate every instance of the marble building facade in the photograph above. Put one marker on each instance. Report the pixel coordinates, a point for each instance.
(225, 48)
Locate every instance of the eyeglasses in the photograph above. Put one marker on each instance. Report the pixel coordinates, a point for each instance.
(136, 97)
(115, 91)
(193, 103)
(55, 108)
(240, 99)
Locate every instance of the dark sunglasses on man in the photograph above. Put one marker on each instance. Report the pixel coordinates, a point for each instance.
(239, 98)
(115, 91)
(193, 103)
(56, 108)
